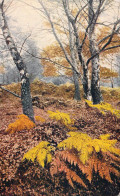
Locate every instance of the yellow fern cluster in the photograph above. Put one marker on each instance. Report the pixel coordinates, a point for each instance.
(85, 145)
(41, 152)
(82, 151)
(22, 123)
(64, 118)
(39, 118)
(104, 107)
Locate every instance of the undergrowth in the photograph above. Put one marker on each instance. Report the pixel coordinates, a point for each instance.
(42, 152)
(22, 123)
(64, 91)
(63, 118)
(104, 107)
(80, 150)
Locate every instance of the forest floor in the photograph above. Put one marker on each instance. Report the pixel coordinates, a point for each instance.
(26, 178)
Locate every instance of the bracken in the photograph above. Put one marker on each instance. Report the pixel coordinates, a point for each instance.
(104, 107)
(42, 153)
(85, 145)
(80, 150)
(22, 123)
(64, 118)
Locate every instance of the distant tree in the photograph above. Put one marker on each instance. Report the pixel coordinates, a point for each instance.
(25, 84)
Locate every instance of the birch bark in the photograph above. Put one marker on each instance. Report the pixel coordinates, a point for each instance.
(25, 84)
(85, 80)
(74, 62)
(95, 81)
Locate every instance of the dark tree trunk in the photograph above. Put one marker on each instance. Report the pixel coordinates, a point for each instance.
(86, 85)
(25, 84)
(77, 86)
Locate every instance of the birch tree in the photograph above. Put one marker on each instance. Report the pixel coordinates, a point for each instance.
(91, 13)
(25, 84)
(94, 11)
(71, 58)
(79, 45)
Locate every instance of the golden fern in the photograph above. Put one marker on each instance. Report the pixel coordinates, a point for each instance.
(85, 145)
(41, 152)
(80, 150)
(64, 118)
(104, 107)
(22, 123)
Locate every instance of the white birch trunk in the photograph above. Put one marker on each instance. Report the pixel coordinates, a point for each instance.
(95, 81)
(74, 62)
(85, 81)
(25, 84)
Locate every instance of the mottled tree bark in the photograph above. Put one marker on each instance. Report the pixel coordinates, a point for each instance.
(77, 86)
(85, 81)
(71, 59)
(25, 84)
(95, 81)
(74, 62)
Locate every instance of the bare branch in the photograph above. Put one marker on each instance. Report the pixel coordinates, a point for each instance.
(10, 92)
(24, 43)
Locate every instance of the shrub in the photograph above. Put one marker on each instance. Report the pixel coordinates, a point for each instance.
(104, 107)
(22, 123)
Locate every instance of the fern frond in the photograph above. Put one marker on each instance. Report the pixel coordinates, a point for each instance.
(62, 117)
(104, 168)
(111, 157)
(22, 123)
(103, 107)
(58, 165)
(69, 156)
(42, 152)
(85, 145)
(71, 175)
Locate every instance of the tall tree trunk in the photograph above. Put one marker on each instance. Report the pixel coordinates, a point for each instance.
(86, 81)
(86, 86)
(74, 62)
(95, 81)
(25, 84)
(77, 86)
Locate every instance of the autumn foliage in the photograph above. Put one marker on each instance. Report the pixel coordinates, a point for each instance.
(61, 117)
(104, 107)
(41, 152)
(22, 123)
(80, 150)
